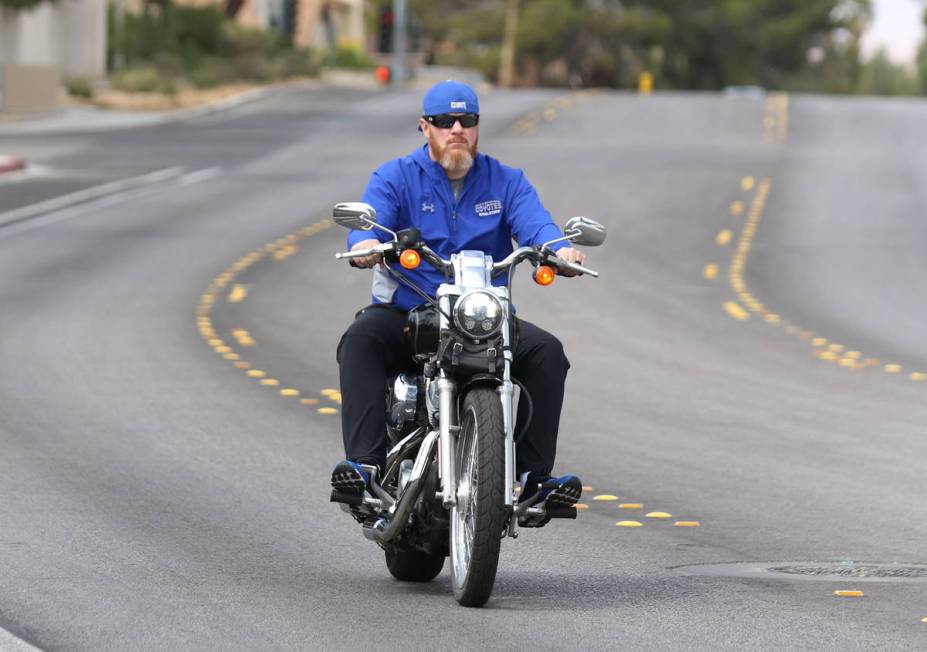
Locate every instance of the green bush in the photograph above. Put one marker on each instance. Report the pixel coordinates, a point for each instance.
(301, 63)
(79, 87)
(348, 57)
(145, 79)
(212, 71)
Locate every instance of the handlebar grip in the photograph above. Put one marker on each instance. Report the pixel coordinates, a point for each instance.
(356, 254)
(576, 267)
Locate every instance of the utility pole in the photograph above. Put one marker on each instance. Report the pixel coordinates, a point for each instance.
(507, 55)
(399, 42)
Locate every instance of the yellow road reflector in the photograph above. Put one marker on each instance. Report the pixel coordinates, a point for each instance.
(605, 497)
(836, 348)
(847, 362)
(587, 488)
(289, 392)
(231, 356)
(270, 382)
(238, 293)
(819, 341)
(710, 271)
(581, 506)
(550, 114)
(629, 524)
(687, 524)
(827, 355)
(854, 355)
(892, 368)
(257, 373)
(924, 620)
(747, 183)
(222, 349)
(658, 515)
(328, 392)
(848, 594)
(631, 506)
(246, 341)
(215, 342)
(239, 332)
(918, 376)
(737, 207)
(328, 410)
(735, 311)
(724, 237)
(309, 401)
(242, 365)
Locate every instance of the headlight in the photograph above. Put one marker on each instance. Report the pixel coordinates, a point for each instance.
(478, 314)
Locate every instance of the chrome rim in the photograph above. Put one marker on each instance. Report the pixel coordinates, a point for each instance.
(463, 513)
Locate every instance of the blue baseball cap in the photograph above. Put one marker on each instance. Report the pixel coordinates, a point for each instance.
(450, 97)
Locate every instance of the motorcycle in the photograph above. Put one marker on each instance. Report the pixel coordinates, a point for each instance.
(448, 487)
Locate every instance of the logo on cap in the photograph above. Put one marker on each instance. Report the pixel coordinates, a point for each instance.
(459, 105)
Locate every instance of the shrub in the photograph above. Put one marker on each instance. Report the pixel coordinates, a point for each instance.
(345, 56)
(301, 63)
(79, 87)
(145, 79)
(212, 71)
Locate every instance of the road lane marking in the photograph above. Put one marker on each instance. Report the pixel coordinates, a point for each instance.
(833, 353)
(279, 250)
(849, 594)
(735, 311)
(631, 506)
(687, 524)
(605, 497)
(629, 524)
(201, 175)
(238, 293)
(9, 642)
(82, 198)
(658, 515)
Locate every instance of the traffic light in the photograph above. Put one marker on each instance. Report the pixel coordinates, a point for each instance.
(386, 30)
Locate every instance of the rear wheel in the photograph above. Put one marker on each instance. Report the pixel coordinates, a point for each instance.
(413, 566)
(478, 519)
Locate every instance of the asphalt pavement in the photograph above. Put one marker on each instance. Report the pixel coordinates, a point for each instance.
(750, 361)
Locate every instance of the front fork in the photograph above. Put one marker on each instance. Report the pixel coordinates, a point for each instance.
(448, 427)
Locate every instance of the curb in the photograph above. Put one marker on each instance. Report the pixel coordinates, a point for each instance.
(11, 163)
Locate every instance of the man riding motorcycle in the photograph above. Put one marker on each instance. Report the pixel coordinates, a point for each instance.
(459, 199)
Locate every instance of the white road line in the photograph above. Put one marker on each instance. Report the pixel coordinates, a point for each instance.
(82, 196)
(200, 175)
(10, 643)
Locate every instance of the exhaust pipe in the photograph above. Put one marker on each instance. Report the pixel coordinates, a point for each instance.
(382, 530)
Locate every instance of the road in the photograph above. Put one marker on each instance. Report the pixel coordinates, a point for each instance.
(751, 359)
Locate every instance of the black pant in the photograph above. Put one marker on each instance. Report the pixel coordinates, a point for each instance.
(374, 349)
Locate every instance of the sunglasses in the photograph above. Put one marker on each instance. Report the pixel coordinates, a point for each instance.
(446, 120)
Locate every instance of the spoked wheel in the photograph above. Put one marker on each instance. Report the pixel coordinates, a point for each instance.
(478, 519)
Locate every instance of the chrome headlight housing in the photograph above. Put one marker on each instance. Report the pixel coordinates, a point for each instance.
(479, 314)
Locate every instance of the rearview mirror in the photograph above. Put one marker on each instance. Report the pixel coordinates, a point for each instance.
(355, 215)
(584, 231)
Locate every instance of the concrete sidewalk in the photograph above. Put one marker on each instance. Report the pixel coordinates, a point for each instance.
(89, 119)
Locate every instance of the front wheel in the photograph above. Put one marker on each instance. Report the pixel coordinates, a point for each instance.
(478, 518)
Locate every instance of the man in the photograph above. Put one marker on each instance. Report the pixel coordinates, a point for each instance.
(459, 199)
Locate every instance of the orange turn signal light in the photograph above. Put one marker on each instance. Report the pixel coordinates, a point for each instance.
(410, 259)
(544, 275)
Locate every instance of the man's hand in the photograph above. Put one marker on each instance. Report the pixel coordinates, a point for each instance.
(571, 256)
(367, 261)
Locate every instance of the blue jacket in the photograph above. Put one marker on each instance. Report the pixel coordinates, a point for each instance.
(497, 204)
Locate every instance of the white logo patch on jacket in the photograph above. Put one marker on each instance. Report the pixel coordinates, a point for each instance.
(487, 208)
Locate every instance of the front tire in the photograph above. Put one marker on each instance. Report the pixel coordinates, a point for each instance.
(478, 518)
(413, 566)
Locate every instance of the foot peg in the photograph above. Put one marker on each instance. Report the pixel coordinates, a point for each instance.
(347, 498)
